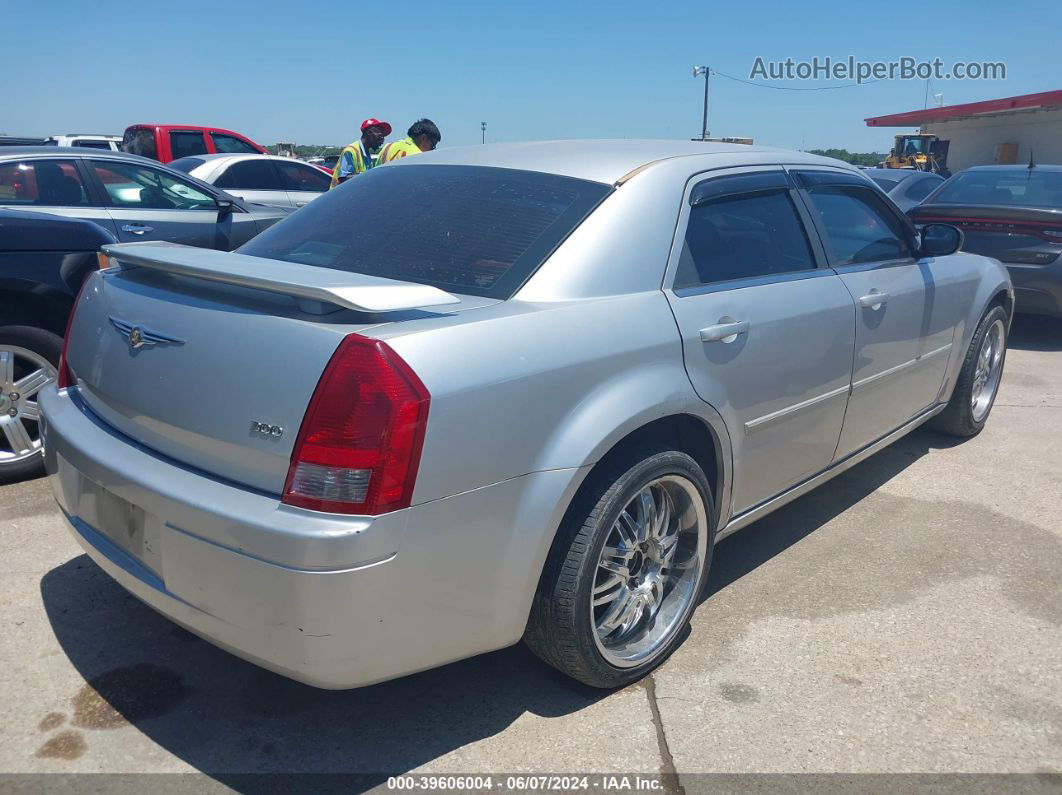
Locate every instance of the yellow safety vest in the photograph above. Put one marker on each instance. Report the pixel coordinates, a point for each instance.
(397, 149)
(359, 162)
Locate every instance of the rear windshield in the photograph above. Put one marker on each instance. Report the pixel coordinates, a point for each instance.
(1024, 187)
(140, 141)
(467, 229)
(187, 164)
(885, 183)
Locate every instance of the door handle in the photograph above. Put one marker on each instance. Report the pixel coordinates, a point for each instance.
(873, 299)
(725, 330)
(137, 229)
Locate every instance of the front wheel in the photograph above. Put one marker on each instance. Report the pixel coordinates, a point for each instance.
(626, 570)
(978, 382)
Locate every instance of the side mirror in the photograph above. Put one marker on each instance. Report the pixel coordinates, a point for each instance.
(939, 240)
(224, 207)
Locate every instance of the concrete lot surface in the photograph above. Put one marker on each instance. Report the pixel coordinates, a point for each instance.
(906, 617)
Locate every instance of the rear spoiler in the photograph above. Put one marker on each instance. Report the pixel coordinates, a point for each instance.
(350, 290)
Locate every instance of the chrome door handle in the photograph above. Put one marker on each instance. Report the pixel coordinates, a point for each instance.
(724, 331)
(137, 229)
(873, 299)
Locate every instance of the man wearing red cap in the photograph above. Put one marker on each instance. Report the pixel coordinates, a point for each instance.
(357, 158)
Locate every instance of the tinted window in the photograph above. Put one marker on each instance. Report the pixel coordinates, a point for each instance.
(189, 142)
(140, 141)
(42, 183)
(741, 236)
(921, 188)
(133, 186)
(90, 144)
(885, 183)
(296, 176)
(474, 230)
(859, 226)
(231, 145)
(1011, 187)
(187, 164)
(250, 175)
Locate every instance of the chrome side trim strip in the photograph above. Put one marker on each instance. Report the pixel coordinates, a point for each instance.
(893, 370)
(758, 512)
(761, 422)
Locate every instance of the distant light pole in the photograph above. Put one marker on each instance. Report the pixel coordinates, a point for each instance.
(697, 72)
(483, 132)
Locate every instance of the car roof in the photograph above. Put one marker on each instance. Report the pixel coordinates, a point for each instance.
(13, 152)
(608, 161)
(1016, 167)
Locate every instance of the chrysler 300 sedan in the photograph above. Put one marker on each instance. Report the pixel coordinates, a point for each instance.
(500, 393)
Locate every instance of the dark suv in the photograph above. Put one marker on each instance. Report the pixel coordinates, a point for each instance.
(43, 261)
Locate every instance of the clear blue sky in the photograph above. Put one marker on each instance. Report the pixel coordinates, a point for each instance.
(309, 72)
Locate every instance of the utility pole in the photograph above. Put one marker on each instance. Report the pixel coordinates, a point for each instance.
(483, 132)
(697, 72)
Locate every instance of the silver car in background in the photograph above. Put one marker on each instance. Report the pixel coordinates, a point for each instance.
(266, 179)
(503, 392)
(132, 197)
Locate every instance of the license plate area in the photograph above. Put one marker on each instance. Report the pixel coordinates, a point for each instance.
(129, 526)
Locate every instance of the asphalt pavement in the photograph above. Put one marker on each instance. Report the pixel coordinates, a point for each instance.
(904, 618)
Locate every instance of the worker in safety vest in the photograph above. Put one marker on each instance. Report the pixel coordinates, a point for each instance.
(423, 136)
(357, 158)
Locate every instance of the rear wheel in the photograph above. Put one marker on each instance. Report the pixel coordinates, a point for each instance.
(28, 360)
(626, 571)
(982, 370)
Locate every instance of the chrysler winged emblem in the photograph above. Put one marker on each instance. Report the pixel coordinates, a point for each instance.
(140, 337)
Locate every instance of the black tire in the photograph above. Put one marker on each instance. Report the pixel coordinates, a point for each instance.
(560, 629)
(46, 345)
(958, 418)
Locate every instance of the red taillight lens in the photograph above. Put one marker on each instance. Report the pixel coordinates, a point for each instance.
(359, 445)
(65, 377)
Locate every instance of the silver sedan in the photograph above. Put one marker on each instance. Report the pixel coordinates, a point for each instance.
(500, 393)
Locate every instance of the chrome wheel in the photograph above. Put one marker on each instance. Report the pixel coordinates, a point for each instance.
(649, 570)
(988, 371)
(22, 374)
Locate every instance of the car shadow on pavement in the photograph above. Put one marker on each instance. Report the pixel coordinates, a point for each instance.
(1035, 333)
(746, 550)
(237, 722)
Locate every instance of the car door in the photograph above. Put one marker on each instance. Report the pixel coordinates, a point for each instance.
(303, 183)
(905, 309)
(253, 179)
(53, 185)
(767, 329)
(147, 203)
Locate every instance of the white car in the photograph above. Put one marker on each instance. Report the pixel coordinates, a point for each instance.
(112, 143)
(264, 179)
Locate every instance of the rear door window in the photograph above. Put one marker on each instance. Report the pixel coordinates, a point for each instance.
(299, 177)
(257, 174)
(42, 183)
(743, 235)
(128, 185)
(470, 229)
(859, 226)
(184, 143)
(230, 144)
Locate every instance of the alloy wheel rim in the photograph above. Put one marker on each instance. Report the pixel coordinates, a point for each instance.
(648, 571)
(23, 374)
(988, 371)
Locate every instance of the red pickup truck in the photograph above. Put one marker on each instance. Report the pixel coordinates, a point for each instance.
(168, 142)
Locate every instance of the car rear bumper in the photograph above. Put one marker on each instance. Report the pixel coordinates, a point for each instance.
(328, 600)
(1037, 288)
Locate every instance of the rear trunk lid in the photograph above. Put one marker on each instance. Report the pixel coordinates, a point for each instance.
(211, 358)
(1025, 235)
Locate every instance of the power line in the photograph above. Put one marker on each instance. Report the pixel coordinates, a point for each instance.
(791, 88)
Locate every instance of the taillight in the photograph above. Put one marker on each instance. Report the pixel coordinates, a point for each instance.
(65, 377)
(359, 446)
